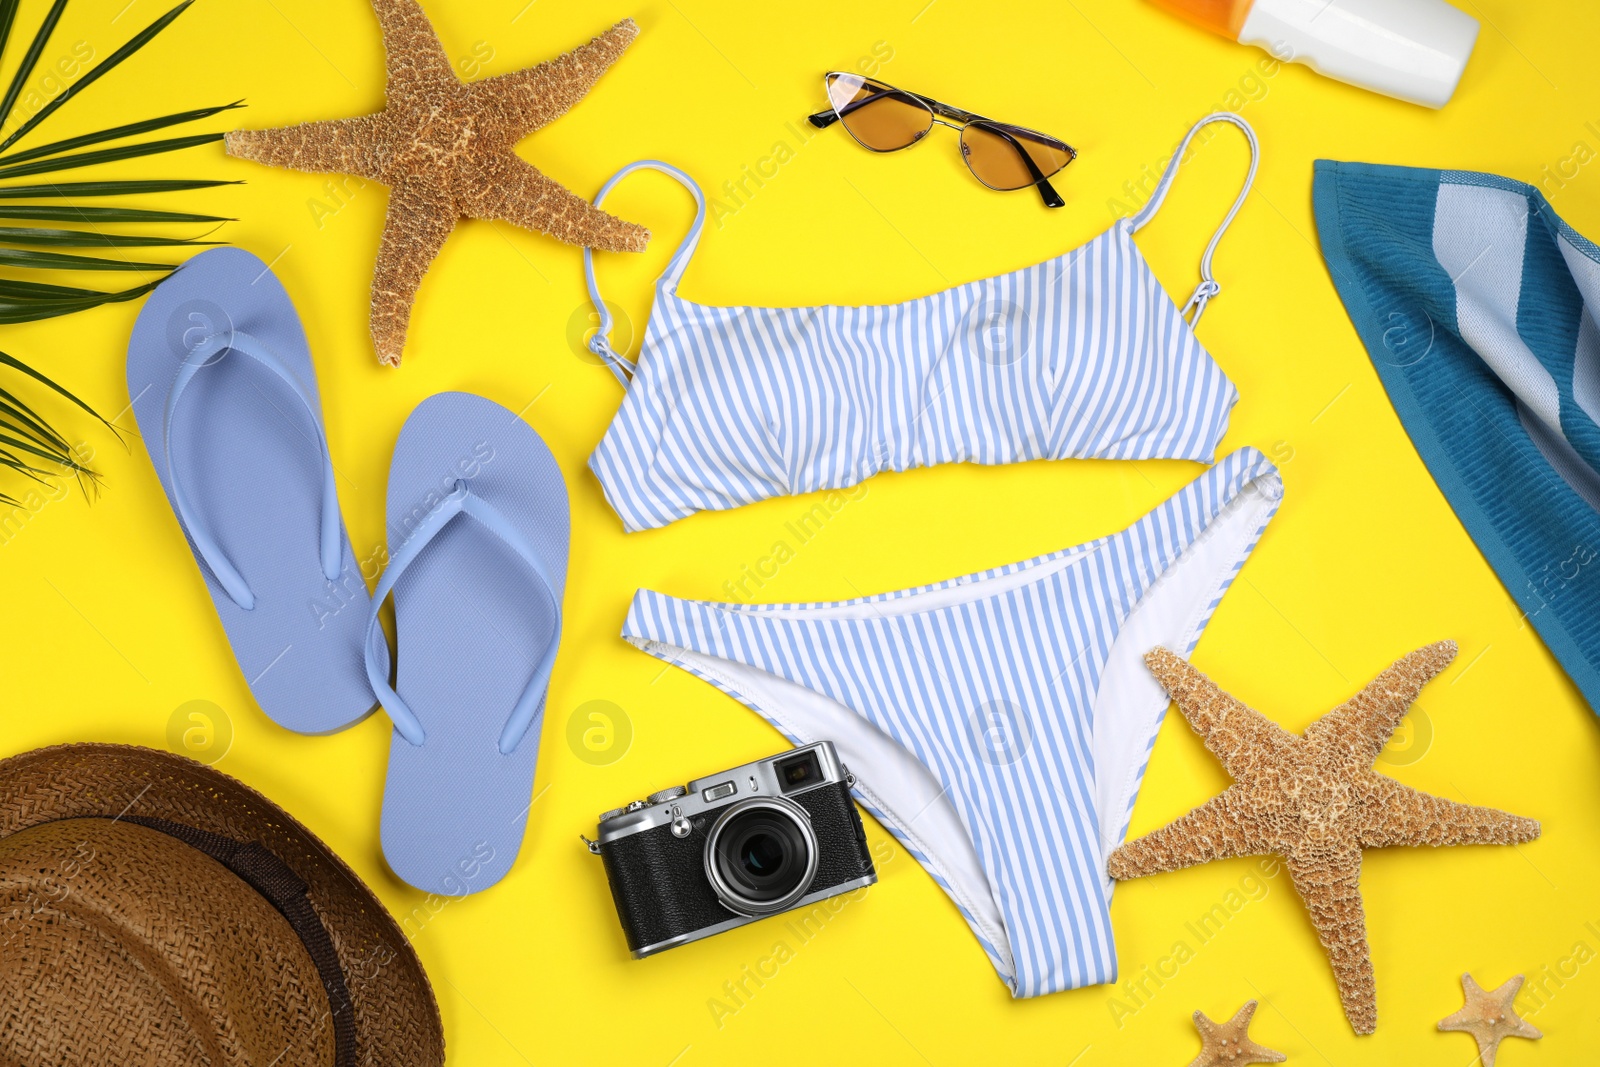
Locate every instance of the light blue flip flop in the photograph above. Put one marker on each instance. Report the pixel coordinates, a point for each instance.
(226, 399)
(478, 529)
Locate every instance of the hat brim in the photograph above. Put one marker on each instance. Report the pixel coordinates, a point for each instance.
(396, 1015)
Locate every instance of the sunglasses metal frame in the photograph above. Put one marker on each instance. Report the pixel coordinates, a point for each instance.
(956, 119)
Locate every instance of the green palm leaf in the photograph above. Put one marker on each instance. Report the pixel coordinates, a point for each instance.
(129, 129)
(35, 235)
(61, 458)
(21, 290)
(27, 421)
(31, 58)
(23, 467)
(85, 213)
(30, 447)
(100, 69)
(25, 309)
(8, 16)
(27, 257)
(107, 155)
(115, 188)
(14, 363)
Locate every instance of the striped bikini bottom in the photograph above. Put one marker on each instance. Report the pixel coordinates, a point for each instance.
(998, 724)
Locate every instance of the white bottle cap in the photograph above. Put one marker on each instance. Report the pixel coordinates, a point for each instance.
(1410, 49)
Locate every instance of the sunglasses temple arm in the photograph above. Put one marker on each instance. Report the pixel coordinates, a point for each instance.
(823, 119)
(1047, 192)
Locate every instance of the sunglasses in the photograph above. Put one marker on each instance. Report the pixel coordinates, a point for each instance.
(1001, 156)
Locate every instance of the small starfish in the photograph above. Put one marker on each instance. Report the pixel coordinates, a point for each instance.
(444, 149)
(1490, 1017)
(1228, 1044)
(1315, 801)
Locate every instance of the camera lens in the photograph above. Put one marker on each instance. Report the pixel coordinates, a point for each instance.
(761, 856)
(764, 855)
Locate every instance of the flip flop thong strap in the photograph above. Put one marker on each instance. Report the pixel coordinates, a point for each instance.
(216, 560)
(461, 501)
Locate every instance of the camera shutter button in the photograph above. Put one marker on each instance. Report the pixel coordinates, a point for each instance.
(670, 793)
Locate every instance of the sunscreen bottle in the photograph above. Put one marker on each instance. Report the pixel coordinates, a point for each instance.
(1410, 49)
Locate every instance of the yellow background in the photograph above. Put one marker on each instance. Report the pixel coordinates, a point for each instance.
(108, 629)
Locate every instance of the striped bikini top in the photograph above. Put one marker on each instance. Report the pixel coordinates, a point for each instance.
(1081, 356)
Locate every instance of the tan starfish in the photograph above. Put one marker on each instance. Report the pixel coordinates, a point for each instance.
(1490, 1017)
(1315, 801)
(444, 149)
(1228, 1044)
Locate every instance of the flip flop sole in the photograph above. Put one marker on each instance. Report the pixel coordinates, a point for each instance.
(471, 627)
(251, 466)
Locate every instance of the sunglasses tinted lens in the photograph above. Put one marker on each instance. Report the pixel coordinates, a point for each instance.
(999, 155)
(879, 116)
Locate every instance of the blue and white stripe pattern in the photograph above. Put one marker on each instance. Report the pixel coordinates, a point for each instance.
(1016, 692)
(1081, 356)
(1480, 309)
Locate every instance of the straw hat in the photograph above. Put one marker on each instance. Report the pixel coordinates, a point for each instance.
(155, 911)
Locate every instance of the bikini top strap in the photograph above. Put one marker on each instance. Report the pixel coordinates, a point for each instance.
(600, 343)
(1209, 286)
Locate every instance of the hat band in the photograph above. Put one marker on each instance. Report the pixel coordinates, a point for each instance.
(268, 875)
